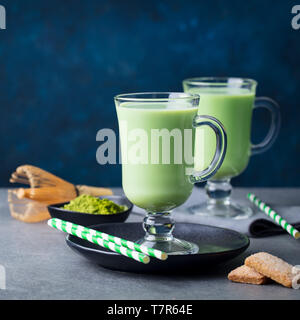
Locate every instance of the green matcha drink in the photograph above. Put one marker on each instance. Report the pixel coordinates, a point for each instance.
(233, 107)
(156, 187)
(232, 101)
(157, 143)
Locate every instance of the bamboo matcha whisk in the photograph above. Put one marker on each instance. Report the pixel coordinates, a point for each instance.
(30, 204)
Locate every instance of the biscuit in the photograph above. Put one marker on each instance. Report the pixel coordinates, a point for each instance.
(271, 267)
(246, 274)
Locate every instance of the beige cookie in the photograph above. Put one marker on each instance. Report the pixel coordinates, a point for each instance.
(271, 267)
(246, 274)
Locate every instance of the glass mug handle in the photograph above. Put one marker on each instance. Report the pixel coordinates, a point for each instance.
(273, 107)
(221, 146)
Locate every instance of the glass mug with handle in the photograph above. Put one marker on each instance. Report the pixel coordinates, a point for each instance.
(155, 130)
(231, 101)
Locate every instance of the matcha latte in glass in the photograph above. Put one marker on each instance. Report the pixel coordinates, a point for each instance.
(231, 101)
(157, 132)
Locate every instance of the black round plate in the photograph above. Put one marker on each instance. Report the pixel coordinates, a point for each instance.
(86, 219)
(216, 245)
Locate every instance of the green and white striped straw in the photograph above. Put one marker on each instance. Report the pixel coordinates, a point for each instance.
(128, 244)
(124, 243)
(78, 231)
(274, 215)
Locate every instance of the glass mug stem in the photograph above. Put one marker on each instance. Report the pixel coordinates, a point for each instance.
(158, 226)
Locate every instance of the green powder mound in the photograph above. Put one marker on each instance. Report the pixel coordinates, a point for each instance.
(89, 204)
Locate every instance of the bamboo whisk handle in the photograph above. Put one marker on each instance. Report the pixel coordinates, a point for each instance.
(93, 191)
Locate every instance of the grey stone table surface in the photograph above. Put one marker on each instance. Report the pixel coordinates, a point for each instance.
(39, 265)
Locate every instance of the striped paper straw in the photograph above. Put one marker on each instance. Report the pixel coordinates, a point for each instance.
(274, 215)
(124, 243)
(76, 230)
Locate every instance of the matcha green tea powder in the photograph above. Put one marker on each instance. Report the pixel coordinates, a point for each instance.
(89, 204)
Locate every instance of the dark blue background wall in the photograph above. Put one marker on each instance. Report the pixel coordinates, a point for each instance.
(61, 63)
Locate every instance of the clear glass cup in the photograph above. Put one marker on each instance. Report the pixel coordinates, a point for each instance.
(231, 101)
(157, 133)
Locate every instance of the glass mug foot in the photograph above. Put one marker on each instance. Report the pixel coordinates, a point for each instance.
(225, 210)
(171, 247)
(219, 203)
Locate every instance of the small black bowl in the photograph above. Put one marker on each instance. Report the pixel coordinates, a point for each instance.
(87, 219)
